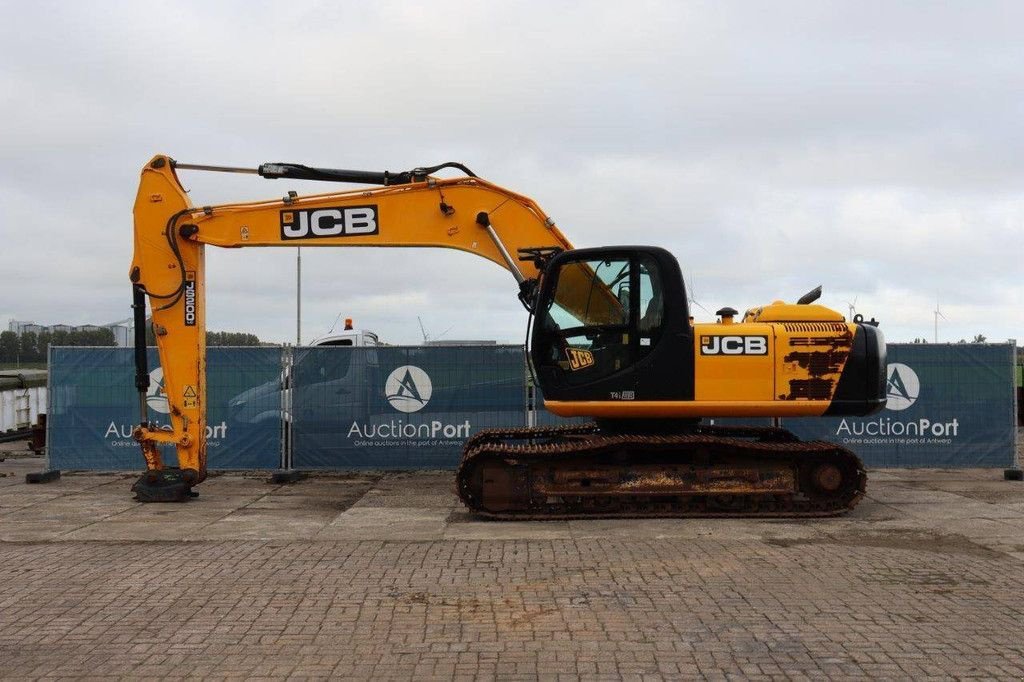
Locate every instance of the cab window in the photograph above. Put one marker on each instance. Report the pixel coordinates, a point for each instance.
(651, 310)
(604, 314)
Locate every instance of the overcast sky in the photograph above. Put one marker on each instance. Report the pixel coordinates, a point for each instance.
(873, 148)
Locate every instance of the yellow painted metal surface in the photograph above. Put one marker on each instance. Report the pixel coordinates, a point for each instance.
(182, 346)
(792, 312)
(726, 369)
(403, 215)
(626, 409)
(810, 358)
(407, 215)
(746, 370)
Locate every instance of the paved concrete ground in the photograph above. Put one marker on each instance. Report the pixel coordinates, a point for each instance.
(387, 577)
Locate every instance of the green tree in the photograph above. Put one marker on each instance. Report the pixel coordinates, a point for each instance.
(8, 347)
(43, 346)
(92, 337)
(979, 338)
(231, 339)
(60, 338)
(215, 338)
(29, 343)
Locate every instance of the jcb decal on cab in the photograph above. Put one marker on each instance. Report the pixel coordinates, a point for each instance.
(734, 345)
(578, 359)
(343, 221)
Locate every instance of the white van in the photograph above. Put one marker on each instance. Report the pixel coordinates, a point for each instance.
(273, 399)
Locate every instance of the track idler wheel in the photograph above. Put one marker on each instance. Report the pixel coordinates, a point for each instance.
(827, 478)
(831, 480)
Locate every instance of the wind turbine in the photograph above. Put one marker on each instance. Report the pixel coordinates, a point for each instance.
(689, 296)
(331, 330)
(129, 321)
(938, 314)
(853, 307)
(426, 337)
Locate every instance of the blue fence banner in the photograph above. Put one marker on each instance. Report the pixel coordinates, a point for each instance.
(391, 407)
(949, 405)
(94, 407)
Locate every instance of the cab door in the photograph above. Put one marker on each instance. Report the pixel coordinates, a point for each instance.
(611, 325)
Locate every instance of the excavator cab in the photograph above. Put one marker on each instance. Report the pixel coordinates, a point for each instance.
(612, 323)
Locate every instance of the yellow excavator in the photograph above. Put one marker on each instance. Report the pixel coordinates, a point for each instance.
(612, 339)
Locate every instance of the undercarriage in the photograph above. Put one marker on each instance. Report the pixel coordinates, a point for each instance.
(584, 471)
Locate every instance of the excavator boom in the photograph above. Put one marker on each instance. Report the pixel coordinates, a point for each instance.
(411, 208)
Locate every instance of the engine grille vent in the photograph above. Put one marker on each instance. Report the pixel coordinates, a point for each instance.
(815, 327)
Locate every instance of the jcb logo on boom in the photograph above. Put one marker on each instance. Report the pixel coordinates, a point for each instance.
(734, 345)
(343, 221)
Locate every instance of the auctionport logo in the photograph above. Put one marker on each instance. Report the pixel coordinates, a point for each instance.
(902, 389)
(120, 435)
(902, 386)
(408, 388)
(156, 396)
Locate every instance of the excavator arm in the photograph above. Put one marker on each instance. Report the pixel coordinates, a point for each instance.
(411, 208)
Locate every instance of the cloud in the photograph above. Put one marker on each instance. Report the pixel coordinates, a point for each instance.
(771, 148)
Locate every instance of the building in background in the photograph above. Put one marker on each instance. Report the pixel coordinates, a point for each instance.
(20, 327)
(122, 334)
(121, 330)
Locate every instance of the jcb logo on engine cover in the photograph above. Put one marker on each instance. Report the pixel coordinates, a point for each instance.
(734, 345)
(343, 221)
(578, 359)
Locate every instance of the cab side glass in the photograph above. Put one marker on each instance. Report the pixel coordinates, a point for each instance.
(651, 310)
(604, 314)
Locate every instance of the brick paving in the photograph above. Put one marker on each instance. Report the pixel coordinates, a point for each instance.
(889, 592)
(506, 609)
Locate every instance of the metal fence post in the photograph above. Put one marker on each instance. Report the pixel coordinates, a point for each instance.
(47, 475)
(1014, 473)
(49, 406)
(287, 474)
(528, 390)
(285, 449)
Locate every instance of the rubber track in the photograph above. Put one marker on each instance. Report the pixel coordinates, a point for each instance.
(723, 442)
